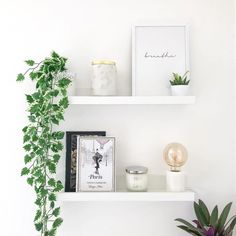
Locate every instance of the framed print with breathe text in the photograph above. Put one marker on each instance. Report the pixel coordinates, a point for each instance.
(71, 156)
(96, 166)
(157, 52)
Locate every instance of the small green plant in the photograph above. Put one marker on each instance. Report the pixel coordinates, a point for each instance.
(41, 143)
(180, 80)
(209, 224)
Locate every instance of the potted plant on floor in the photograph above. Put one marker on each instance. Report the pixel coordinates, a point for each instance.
(180, 85)
(42, 144)
(209, 224)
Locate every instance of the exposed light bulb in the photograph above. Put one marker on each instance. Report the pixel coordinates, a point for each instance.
(175, 155)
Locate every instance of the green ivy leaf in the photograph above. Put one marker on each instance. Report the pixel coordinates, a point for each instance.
(34, 138)
(57, 222)
(34, 108)
(55, 93)
(27, 159)
(33, 75)
(59, 186)
(63, 83)
(59, 116)
(54, 54)
(52, 204)
(56, 158)
(55, 120)
(51, 182)
(20, 77)
(39, 226)
(27, 147)
(32, 118)
(52, 232)
(40, 152)
(42, 142)
(52, 167)
(36, 95)
(44, 192)
(37, 172)
(56, 107)
(25, 171)
(41, 179)
(56, 147)
(30, 181)
(56, 212)
(26, 138)
(30, 62)
(32, 130)
(24, 130)
(38, 202)
(37, 215)
(58, 135)
(52, 197)
(29, 98)
(63, 92)
(59, 146)
(64, 102)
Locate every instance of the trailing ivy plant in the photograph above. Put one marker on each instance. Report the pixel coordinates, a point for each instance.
(41, 144)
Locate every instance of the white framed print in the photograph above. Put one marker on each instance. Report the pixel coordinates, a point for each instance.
(157, 52)
(96, 164)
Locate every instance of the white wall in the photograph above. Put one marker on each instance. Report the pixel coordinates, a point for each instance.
(84, 30)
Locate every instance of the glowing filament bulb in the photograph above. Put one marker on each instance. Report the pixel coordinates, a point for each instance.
(175, 155)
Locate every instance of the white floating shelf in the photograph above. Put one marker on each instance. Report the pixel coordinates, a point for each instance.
(131, 100)
(160, 196)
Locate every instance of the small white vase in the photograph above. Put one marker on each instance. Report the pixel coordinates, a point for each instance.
(180, 90)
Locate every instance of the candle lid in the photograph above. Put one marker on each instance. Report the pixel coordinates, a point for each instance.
(103, 62)
(136, 170)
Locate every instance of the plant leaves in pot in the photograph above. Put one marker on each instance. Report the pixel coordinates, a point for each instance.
(180, 85)
(209, 223)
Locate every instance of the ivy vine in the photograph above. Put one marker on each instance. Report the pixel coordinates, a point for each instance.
(46, 107)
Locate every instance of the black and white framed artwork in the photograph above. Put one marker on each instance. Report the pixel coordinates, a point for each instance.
(96, 164)
(157, 52)
(71, 156)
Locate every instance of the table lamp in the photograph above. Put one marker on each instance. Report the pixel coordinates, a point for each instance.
(175, 155)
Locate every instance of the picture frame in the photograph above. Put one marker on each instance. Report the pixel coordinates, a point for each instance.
(96, 164)
(157, 52)
(71, 156)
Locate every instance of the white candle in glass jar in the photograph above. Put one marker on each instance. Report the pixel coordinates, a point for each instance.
(104, 78)
(136, 178)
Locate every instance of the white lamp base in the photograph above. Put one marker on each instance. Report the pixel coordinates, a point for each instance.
(175, 181)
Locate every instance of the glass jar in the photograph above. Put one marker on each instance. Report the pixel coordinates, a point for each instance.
(104, 78)
(136, 178)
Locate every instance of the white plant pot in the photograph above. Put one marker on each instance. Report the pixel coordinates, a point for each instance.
(180, 90)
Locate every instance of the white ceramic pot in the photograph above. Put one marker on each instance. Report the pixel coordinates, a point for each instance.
(180, 90)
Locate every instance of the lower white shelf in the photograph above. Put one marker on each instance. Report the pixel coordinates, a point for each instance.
(150, 196)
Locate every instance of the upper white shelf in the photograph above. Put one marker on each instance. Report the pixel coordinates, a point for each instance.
(132, 100)
(160, 196)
